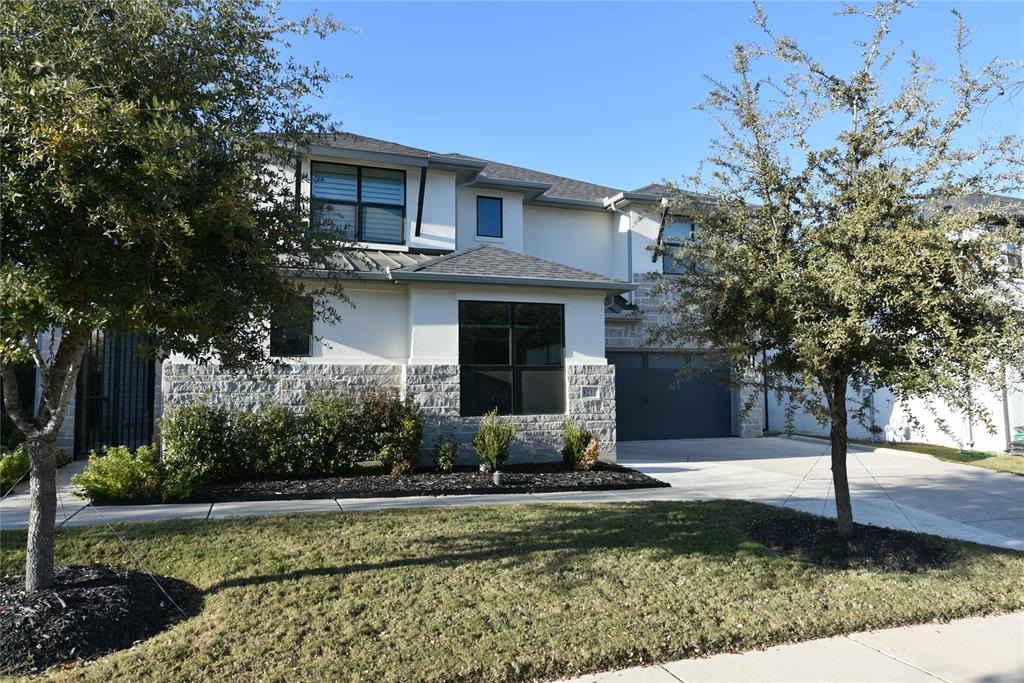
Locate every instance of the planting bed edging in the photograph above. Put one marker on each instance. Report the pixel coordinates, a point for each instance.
(525, 478)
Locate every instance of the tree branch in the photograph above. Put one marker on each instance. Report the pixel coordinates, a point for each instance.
(22, 419)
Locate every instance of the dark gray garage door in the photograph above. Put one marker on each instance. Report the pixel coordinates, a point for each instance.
(650, 402)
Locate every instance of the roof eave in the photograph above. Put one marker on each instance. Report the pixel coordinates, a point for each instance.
(567, 203)
(325, 273)
(363, 155)
(611, 287)
(465, 169)
(530, 189)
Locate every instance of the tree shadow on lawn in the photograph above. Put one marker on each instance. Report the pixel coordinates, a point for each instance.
(554, 545)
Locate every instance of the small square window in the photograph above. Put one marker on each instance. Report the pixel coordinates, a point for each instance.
(488, 217)
(292, 335)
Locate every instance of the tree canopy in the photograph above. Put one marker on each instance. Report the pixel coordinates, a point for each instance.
(148, 155)
(875, 259)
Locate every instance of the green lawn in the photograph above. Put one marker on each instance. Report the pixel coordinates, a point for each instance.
(504, 593)
(1001, 462)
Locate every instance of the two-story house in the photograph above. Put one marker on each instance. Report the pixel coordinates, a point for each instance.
(480, 285)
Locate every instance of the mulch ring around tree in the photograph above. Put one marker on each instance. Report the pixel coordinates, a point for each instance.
(90, 611)
(525, 478)
(817, 540)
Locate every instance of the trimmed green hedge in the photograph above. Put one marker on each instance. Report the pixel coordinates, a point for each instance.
(332, 435)
(213, 444)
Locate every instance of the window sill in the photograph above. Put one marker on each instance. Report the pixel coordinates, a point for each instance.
(493, 240)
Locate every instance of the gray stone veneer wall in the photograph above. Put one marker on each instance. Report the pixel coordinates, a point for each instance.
(590, 399)
(184, 383)
(634, 330)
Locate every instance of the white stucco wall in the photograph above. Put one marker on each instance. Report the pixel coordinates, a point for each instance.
(434, 314)
(891, 417)
(645, 226)
(512, 219)
(582, 239)
(374, 329)
(437, 230)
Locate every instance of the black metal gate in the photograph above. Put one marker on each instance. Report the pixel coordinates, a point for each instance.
(114, 404)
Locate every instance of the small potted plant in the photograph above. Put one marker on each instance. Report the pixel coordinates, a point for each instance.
(492, 442)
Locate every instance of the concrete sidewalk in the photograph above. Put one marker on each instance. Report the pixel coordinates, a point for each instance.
(979, 649)
(890, 488)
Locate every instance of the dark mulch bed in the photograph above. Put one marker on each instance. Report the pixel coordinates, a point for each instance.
(526, 478)
(817, 539)
(91, 611)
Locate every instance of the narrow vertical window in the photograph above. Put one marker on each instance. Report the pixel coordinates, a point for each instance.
(488, 217)
(673, 237)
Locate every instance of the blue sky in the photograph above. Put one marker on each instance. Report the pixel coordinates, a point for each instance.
(602, 92)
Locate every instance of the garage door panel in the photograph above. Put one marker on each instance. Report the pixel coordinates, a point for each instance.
(652, 403)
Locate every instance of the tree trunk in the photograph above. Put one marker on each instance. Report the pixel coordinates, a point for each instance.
(42, 513)
(57, 383)
(839, 439)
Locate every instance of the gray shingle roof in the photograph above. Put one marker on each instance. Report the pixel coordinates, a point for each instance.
(339, 140)
(482, 264)
(652, 188)
(561, 187)
(487, 263)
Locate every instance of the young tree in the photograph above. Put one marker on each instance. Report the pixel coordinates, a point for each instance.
(145, 148)
(849, 243)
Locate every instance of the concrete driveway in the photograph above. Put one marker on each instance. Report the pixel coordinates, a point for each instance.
(889, 488)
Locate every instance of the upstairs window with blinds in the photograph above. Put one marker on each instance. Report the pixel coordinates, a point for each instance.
(359, 203)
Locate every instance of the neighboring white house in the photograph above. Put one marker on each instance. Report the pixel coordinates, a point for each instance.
(478, 285)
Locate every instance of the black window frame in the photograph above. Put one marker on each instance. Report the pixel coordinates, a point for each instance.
(669, 266)
(513, 367)
(276, 327)
(359, 203)
(501, 217)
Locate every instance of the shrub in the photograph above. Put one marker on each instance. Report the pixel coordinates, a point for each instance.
(446, 452)
(14, 465)
(574, 444)
(399, 449)
(590, 455)
(492, 441)
(392, 429)
(180, 483)
(119, 474)
(202, 437)
(274, 449)
(328, 435)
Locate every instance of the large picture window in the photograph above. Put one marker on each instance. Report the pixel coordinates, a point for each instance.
(511, 358)
(359, 203)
